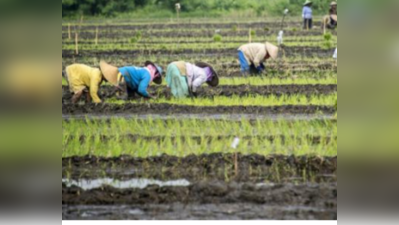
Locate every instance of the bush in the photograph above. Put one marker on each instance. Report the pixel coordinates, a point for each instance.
(234, 28)
(136, 38)
(253, 33)
(327, 44)
(327, 36)
(217, 38)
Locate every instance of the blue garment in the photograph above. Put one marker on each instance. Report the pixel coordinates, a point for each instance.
(137, 79)
(307, 12)
(243, 62)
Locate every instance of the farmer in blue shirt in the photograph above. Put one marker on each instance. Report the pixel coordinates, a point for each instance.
(307, 15)
(133, 80)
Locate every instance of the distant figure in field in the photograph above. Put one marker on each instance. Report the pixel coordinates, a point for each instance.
(307, 15)
(133, 80)
(252, 56)
(84, 79)
(184, 78)
(331, 20)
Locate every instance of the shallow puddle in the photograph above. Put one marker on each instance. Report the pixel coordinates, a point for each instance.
(122, 184)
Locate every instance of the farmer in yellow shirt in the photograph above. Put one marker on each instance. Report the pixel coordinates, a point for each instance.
(80, 78)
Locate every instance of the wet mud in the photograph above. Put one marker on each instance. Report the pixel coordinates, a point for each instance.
(171, 109)
(252, 168)
(265, 187)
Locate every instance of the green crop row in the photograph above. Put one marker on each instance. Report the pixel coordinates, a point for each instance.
(296, 141)
(272, 100)
(201, 47)
(196, 39)
(242, 21)
(198, 127)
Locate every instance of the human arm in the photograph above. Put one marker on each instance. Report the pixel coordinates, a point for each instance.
(198, 82)
(261, 68)
(199, 78)
(143, 85)
(260, 57)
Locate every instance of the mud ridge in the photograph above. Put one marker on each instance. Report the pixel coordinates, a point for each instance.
(252, 168)
(171, 109)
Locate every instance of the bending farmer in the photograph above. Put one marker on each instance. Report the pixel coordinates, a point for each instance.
(133, 80)
(331, 21)
(184, 78)
(81, 78)
(252, 56)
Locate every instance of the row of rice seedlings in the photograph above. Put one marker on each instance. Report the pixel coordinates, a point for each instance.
(230, 60)
(260, 81)
(199, 47)
(202, 128)
(257, 100)
(245, 21)
(152, 43)
(146, 148)
(199, 39)
(200, 34)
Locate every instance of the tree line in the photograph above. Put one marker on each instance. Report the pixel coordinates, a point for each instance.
(111, 8)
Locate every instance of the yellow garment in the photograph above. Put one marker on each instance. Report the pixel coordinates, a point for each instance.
(81, 77)
(181, 65)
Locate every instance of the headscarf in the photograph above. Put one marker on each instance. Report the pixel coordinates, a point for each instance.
(209, 73)
(153, 71)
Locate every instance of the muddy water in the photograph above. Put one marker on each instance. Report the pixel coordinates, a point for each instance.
(200, 187)
(179, 211)
(203, 200)
(142, 183)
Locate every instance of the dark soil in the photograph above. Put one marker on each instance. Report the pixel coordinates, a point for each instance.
(180, 211)
(170, 109)
(323, 196)
(300, 187)
(228, 91)
(252, 168)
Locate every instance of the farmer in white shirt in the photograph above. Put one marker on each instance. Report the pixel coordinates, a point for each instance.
(307, 15)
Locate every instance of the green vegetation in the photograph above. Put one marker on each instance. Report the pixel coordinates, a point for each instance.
(189, 8)
(272, 100)
(217, 38)
(297, 135)
(132, 41)
(255, 81)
